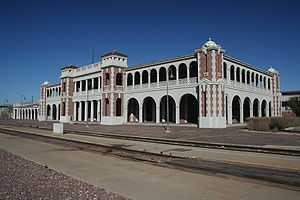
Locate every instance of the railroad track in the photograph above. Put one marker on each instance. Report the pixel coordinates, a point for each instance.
(286, 178)
(209, 145)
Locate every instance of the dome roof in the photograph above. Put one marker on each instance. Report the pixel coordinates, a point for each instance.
(271, 69)
(210, 43)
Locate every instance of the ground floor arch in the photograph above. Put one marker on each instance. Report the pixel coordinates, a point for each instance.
(256, 108)
(236, 109)
(149, 110)
(246, 108)
(164, 111)
(133, 110)
(54, 112)
(264, 108)
(189, 109)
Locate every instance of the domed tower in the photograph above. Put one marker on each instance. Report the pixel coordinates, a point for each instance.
(113, 66)
(211, 86)
(275, 88)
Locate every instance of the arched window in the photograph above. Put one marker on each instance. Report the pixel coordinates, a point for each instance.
(129, 79)
(106, 107)
(107, 79)
(119, 78)
(162, 74)
(145, 77)
(232, 73)
(136, 78)
(252, 78)
(182, 71)
(238, 78)
(153, 76)
(224, 70)
(256, 83)
(248, 77)
(118, 107)
(269, 84)
(260, 81)
(265, 83)
(243, 76)
(193, 69)
(172, 72)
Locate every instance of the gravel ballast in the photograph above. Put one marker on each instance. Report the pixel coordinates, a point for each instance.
(23, 179)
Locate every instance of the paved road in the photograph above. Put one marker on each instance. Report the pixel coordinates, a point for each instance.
(233, 135)
(137, 180)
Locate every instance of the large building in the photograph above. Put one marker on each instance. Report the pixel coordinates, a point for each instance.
(207, 88)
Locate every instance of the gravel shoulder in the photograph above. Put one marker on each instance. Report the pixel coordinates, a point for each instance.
(23, 179)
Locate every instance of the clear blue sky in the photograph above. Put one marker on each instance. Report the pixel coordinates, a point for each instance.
(37, 38)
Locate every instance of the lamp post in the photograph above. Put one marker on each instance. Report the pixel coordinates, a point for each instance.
(171, 76)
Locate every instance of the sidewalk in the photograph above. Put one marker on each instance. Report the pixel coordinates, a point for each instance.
(248, 158)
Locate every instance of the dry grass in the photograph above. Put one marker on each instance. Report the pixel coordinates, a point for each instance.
(272, 123)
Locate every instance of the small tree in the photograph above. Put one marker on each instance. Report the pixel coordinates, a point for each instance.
(294, 104)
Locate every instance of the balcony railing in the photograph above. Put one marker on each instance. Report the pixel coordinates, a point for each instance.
(172, 83)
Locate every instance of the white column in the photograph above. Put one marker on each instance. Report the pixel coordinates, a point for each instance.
(241, 113)
(80, 111)
(188, 73)
(85, 110)
(98, 111)
(92, 111)
(57, 112)
(75, 111)
(177, 114)
(229, 110)
(259, 109)
(157, 77)
(93, 83)
(177, 75)
(133, 80)
(149, 77)
(157, 113)
(141, 113)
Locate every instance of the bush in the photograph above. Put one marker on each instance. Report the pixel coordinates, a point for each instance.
(272, 123)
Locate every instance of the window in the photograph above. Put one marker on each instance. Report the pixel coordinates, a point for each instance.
(83, 85)
(119, 79)
(107, 79)
(224, 70)
(96, 85)
(89, 84)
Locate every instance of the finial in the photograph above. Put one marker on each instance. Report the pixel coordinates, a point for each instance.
(209, 38)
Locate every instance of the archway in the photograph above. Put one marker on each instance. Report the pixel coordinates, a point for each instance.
(255, 108)
(193, 69)
(54, 112)
(163, 109)
(162, 74)
(172, 72)
(264, 108)
(189, 109)
(153, 76)
(129, 79)
(236, 110)
(136, 78)
(149, 110)
(145, 77)
(246, 108)
(133, 110)
(48, 110)
(119, 107)
(182, 71)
